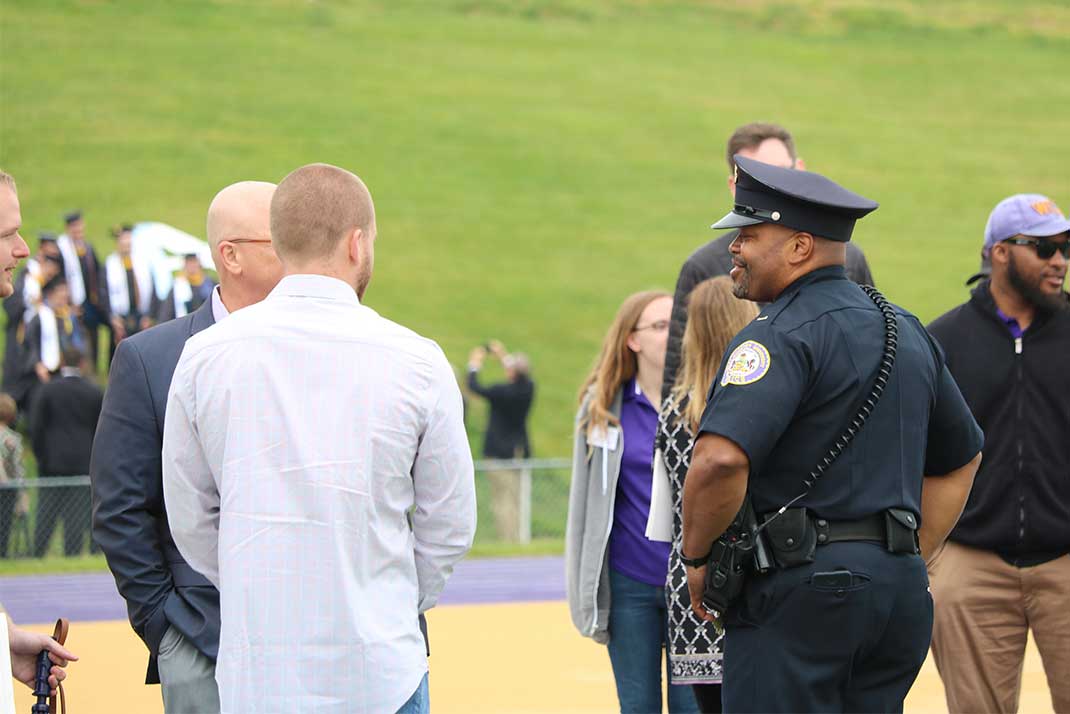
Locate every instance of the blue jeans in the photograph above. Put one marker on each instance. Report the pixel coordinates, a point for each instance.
(419, 702)
(638, 648)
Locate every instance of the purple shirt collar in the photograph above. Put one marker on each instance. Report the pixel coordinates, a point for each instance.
(1011, 323)
(631, 391)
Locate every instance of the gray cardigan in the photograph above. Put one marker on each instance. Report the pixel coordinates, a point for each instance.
(590, 519)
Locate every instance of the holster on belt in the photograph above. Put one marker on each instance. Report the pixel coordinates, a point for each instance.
(794, 536)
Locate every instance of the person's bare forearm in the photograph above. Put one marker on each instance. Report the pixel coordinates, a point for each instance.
(713, 492)
(942, 501)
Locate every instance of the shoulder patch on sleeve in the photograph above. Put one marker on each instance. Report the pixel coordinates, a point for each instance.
(747, 364)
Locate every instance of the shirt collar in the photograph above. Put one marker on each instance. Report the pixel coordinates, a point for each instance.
(1011, 323)
(219, 310)
(829, 272)
(632, 393)
(316, 286)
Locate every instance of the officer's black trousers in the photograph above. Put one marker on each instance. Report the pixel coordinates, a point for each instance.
(794, 646)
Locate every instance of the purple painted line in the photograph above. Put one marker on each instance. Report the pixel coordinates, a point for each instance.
(43, 598)
(90, 597)
(487, 580)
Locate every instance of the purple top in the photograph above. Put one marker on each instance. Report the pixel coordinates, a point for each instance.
(1011, 323)
(630, 552)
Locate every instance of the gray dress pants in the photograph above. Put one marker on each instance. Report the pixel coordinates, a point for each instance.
(187, 677)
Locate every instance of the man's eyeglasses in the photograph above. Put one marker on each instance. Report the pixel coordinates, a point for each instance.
(1045, 248)
(659, 326)
(246, 240)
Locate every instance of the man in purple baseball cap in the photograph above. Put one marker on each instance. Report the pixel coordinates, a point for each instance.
(1025, 215)
(1006, 567)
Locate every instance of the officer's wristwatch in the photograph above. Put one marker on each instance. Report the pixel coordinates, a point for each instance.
(694, 562)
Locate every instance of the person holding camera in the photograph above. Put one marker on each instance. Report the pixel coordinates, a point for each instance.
(835, 421)
(507, 429)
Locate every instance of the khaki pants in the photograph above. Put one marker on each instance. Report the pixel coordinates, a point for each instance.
(984, 609)
(505, 503)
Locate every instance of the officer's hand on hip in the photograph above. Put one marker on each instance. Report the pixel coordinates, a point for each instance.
(696, 585)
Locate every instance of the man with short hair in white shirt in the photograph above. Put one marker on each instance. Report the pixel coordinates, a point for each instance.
(317, 470)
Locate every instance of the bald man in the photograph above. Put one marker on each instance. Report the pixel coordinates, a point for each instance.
(316, 469)
(172, 607)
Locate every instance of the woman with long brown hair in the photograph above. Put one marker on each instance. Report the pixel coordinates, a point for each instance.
(714, 316)
(616, 576)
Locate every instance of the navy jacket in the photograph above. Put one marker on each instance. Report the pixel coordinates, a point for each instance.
(129, 520)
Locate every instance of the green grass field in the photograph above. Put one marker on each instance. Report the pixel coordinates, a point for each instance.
(534, 161)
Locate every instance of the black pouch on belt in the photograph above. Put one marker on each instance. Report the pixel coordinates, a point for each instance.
(901, 531)
(792, 537)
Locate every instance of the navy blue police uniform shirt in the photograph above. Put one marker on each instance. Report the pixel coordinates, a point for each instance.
(793, 379)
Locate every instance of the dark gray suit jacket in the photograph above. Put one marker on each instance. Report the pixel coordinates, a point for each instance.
(129, 520)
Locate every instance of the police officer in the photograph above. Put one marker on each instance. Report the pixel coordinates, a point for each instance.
(842, 620)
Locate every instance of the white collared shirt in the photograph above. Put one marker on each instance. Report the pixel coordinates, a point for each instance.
(300, 434)
(219, 310)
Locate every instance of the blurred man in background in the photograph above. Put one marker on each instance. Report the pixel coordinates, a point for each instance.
(131, 290)
(88, 293)
(507, 430)
(64, 419)
(192, 289)
(173, 608)
(55, 329)
(770, 144)
(1005, 570)
(20, 308)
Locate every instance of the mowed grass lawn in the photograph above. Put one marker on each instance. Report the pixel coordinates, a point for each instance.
(534, 162)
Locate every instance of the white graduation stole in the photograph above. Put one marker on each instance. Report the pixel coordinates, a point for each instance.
(183, 294)
(72, 266)
(49, 337)
(118, 292)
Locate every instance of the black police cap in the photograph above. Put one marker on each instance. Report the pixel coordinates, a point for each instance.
(72, 217)
(801, 200)
(46, 237)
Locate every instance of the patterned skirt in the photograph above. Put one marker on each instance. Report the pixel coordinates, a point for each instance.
(696, 647)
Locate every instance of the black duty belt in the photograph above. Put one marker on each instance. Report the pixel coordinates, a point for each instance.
(796, 533)
(870, 528)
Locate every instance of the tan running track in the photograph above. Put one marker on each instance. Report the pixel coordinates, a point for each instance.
(485, 659)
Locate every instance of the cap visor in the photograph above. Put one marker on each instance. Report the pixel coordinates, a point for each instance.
(1054, 227)
(734, 220)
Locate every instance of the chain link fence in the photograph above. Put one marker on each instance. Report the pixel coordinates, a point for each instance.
(518, 500)
(522, 499)
(45, 517)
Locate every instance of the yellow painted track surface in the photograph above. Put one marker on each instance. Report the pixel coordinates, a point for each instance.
(520, 657)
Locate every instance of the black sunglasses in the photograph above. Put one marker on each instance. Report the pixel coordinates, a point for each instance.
(1045, 248)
